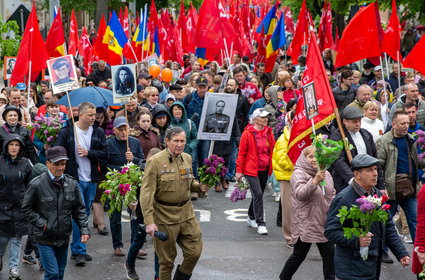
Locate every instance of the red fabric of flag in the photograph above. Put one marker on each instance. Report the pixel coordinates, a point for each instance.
(360, 38)
(100, 49)
(73, 35)
(301, 126)
(32, 49)
(301, 34)
(55, 41)
(289, 22)
(325, 28)
(391, 42)
(125, 23)
(416, 59)
(85, 49)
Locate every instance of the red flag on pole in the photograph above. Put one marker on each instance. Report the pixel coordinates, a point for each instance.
(73, 35)
(325, 28)
(85, 48)
(32, 54)
(391, 42)
(301, 34)
(100, 49)
(360, 38)
(415, 59)
(302, 127)
(289, 22)
(55, 41)
(125, 23)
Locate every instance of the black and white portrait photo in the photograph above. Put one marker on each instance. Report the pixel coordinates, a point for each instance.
(9, 65)
(123, 82)
(310, 102)
(217, 117)
(63, 75)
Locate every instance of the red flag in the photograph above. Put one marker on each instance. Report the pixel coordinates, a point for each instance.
(289, 22)
(325, 28)
(391, 42)
(214, 27)
(191, 22)
(301, 34)
(415, 59)
(100, 49)
(85, 48)
(32, 50)
(261, 49)
(336, 42)
(55, 41)
(301, 127)
(73, 35)
(360, 38)
(125, 22)
(120, 17)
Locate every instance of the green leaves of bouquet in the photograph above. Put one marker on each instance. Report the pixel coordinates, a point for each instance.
(212, 171)
(120, 187)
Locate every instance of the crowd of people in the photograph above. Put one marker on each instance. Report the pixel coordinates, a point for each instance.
(157, 130)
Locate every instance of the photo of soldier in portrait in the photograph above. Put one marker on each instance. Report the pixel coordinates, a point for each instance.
(9, 65)
(124, 81)
(217, 122)
(310, 101)
(62, 69)
(62, 74)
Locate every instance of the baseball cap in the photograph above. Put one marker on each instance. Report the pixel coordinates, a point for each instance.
(260, 112)
(377, 68)
(56, 153)
(175, 87)
(202, 81)
(144, 75)
(21, 86)
(120, 121)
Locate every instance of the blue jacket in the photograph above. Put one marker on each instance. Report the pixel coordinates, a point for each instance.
(348, 263)
(187, 125)
(260, 103)
(117, 150)
(194, 104)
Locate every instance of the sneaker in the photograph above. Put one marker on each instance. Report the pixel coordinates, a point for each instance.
(14, 273)
(252, 223)
(131, 272)
(290, 245)
(80, 260)
(87, 257)
(386, 258)
(407, 239)
(28, 259)
(277, 197)
(262, 230)
(103, 231)
(233, 179)
(274, 194)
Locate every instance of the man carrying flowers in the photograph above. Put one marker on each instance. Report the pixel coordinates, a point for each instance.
(349, 263)
(166, 206)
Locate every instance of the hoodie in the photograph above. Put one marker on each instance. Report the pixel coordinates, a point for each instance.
(420, 104)
(187, 125)
(158, 110)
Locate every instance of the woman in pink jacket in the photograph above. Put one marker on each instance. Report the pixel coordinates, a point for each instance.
(309, 210)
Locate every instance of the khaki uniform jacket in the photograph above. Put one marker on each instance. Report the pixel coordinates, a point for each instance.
(168, 179)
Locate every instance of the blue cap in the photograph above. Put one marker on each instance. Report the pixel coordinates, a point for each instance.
(21, 86)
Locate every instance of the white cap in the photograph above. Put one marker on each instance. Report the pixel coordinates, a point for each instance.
(377, 68)
(260, 112)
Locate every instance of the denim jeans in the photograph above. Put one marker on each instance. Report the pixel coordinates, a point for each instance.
(409, 207)
(88, 191)
(53, 259)
(203, 150)
(194, 155)
(15, 249)
(137, 243)
(116, 229)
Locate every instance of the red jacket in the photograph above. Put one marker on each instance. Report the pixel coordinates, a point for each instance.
(420, 231)
(247, 161)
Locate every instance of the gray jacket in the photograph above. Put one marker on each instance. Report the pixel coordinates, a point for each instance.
(420, 104)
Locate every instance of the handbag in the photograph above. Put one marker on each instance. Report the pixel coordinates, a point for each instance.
(403, 185)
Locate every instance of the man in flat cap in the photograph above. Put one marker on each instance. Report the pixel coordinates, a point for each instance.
(348, 262)
(362, 142)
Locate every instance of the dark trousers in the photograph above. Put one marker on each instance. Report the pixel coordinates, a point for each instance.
(116, 229)
(137, 242)
(257, 186)
(30, 245)
(327, 251)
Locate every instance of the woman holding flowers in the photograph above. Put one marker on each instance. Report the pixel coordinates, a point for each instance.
(309, 210)
(255, 162)
(13, 117)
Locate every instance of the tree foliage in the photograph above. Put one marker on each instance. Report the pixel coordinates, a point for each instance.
(9, 46)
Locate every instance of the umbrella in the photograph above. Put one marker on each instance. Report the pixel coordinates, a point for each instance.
(100, 97)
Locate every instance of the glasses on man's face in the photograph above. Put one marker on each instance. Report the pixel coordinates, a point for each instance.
(154, 94)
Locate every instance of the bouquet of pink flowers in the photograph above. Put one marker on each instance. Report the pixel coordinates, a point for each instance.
(46, 128)
(241, 188)
(213, 171)
(369, 209)
(120, 187)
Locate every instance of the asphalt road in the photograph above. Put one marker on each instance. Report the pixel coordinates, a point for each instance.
(232, 250)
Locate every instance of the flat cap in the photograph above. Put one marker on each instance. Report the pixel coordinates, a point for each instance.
(362, 161)
(351, 112)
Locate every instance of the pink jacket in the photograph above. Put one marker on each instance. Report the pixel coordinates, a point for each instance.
(309, 205)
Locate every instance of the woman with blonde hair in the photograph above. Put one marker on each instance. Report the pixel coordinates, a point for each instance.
(370, 121)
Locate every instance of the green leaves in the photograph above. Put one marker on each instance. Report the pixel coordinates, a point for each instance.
(9, 46)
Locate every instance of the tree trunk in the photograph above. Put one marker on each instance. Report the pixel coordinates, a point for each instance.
(101, 9)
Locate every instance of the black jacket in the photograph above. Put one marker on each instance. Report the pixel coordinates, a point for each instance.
(160, 109)
(117, 150)
(29, 150)
(348, 263)
(54, 205)
(14, 178)
(242, 109)
(98, 150)
(341, 170)
(342, 97)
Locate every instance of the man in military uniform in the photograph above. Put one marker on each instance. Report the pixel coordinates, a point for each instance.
(217, 122)
(166, 205)
(124, 86)
(62, 70)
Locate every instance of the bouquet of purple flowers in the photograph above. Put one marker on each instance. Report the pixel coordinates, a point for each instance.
(419, 135)
(241, 188)
(213, 171)
(46, 128)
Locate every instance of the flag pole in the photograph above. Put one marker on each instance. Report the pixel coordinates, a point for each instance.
(227, 51)
(383, 76)
(72, 118)
(132, 50)
(127, 124)
(386, 63)
(29, 84)
(399, 69)
(344, 137)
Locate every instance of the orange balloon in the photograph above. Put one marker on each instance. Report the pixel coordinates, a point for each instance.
(167, 75)
(154, 70)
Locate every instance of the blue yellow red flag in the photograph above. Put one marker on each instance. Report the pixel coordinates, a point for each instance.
(114, 35)
(269, 22)
(278, 38)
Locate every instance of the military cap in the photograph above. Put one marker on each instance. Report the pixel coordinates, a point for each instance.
(59, 63)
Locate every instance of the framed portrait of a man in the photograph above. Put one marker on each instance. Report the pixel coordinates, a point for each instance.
(62, 74)
(9, 65)
(123, 82)
(218, 115)
(310, 102)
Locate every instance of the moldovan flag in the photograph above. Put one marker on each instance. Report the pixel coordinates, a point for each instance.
(32, 54)
(55, 42)
(301, 126)
(116, 40)
(73, 35)
(360, 38)
(415, 59)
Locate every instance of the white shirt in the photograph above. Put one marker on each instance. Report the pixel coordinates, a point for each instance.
(375, 127)
(359, 142)
(84, 139)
